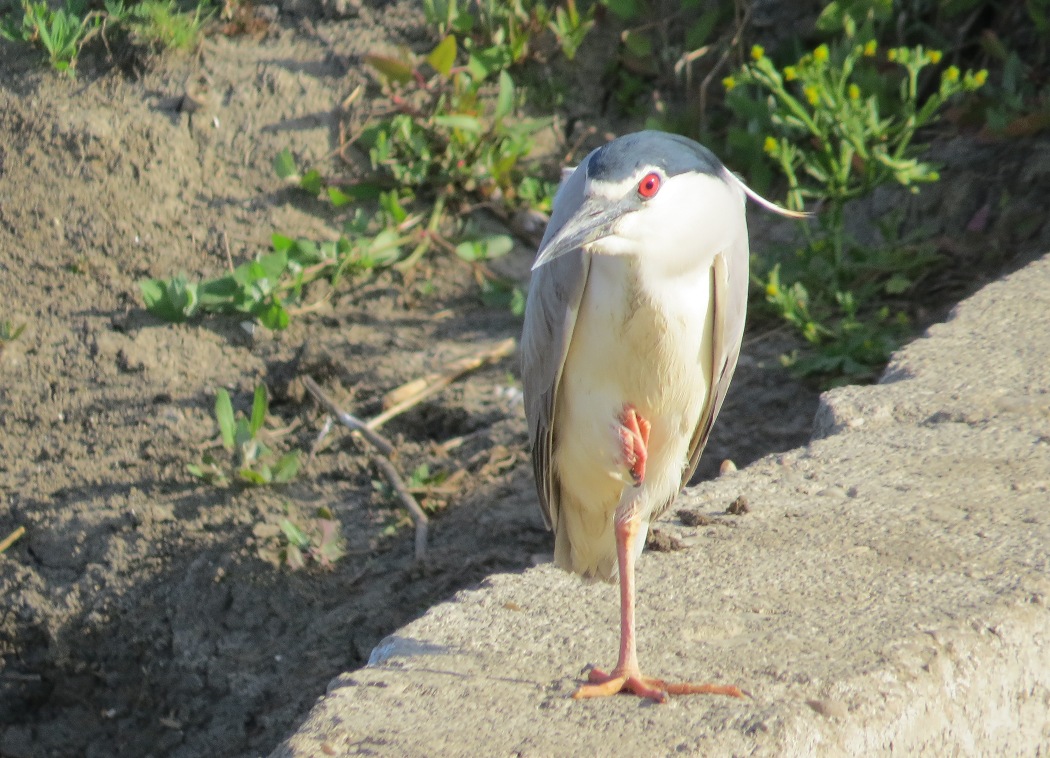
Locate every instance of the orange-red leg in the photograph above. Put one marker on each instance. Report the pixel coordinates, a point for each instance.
(627, 676)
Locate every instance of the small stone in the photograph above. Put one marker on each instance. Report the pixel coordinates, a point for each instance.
(662, 542)
(693, 518)
(738, 507)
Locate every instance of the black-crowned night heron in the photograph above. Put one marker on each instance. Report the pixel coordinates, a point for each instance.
(632, 333)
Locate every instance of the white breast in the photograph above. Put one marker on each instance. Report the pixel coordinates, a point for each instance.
(641, 338)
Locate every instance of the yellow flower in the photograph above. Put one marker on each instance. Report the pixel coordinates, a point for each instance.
(812, 95)
(770, 145)
(980, 77)
(820, 55)
(729, 82)
(891, 54)
(934, 56)
(870, 47)
(854, 92)
(772, 290)
(757, 51)
(951, 74)
(790, 74)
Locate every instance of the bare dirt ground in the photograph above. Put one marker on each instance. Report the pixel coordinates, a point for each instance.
(141, 612)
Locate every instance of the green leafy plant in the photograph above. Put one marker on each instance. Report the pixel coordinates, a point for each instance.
(60, 32)
(423, 482)
(241, 437)
(9, 332)
(511, 30)
(452, 143)
(454, 140)
(1017, 102)
(454, 131)
(838, 123)
(318, 539)
(164, 23)
(63, 32)
(653, 69)
(268, 288)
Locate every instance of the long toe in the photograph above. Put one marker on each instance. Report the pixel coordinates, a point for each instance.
(689, 688)
(601, 684)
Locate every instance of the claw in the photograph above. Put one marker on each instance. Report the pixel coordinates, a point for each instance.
(634, 440)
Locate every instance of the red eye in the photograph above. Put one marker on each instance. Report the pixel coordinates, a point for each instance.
(649, 185)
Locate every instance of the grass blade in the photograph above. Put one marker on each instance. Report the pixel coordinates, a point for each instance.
(224, 416)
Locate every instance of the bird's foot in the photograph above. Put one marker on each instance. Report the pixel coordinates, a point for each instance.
(601, 684)
(634, 441)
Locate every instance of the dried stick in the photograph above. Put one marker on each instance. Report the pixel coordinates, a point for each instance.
(10, 539)
(381, 459)
(321, 435)
(408, 395)
(378, 441)
(386, 468)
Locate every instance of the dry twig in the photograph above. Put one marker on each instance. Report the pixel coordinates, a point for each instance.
(386, 468)
(378, 441)
(10, 539)
(381, 460)
(399, 400)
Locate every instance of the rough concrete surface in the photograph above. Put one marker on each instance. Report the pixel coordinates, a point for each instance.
(887, 592)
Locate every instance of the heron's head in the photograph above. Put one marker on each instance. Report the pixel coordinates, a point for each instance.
(646, 194)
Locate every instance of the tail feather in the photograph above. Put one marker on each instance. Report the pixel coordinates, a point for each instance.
(585, 542)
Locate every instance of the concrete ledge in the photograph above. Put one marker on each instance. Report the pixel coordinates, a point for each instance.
(888, 591)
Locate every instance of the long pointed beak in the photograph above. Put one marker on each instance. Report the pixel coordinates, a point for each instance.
(594, 220)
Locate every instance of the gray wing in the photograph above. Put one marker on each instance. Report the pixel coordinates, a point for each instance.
(729, 282)
(550, 317)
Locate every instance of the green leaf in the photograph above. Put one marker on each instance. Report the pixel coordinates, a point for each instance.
(443, 56)
(260, 404)
(640, 45)
(464, 123)
(384, 248)
(485, 248)
(287, 467)
(362, 191)
(255, 477)
(470, 251)
(897, 284)
(338, 197)
(280, 243)
(700, 32)
(219, 294)
(483, 63)
(170, 299)
(498, 245)
(312, 182)
(627, 10)
(224, 417)
(505, 99)
(273, 315)
(294, 534)
(284, 164)
(395, 69)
